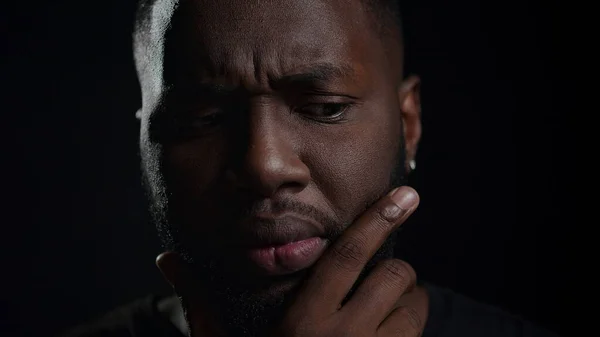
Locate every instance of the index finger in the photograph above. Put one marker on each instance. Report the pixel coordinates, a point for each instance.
(339, 267)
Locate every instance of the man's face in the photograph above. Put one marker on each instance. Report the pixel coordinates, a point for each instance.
(270, 116)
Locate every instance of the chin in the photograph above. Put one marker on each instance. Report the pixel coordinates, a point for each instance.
(244, 284)
(252, 307)
(275, 287)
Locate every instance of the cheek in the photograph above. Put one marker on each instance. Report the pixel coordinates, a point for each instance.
(191, 169)
(353, 167)
(194, 164)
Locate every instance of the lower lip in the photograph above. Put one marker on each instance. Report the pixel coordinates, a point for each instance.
(288, 258)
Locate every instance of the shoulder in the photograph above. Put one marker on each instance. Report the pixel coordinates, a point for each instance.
(452, 314)
(139, 318)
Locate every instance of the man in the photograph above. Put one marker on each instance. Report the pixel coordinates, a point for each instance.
(276, 136)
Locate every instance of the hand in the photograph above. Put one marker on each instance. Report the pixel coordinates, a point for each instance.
(374, 309)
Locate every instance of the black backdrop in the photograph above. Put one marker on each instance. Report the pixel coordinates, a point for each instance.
(77, 238)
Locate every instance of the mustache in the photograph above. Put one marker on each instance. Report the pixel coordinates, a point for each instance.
(331, 226)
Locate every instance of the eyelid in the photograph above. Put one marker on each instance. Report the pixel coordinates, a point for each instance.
(339, 116)
(326, 93)
(198, 110)
(324, 99)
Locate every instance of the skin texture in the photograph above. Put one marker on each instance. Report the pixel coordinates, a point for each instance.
(290, 107)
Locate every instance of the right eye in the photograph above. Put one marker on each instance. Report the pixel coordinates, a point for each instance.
(193, 125)
(205, 121)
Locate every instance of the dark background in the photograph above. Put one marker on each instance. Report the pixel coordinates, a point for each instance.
(490, 171)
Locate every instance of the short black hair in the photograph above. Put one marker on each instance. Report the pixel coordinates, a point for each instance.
(385, 15)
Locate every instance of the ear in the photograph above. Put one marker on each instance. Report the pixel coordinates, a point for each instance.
(198, 317)
(138, 114)
(173, 270)
(410, 107)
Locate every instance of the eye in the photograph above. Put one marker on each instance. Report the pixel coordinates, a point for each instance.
(205, 121)
(325, 111)
(193, 125)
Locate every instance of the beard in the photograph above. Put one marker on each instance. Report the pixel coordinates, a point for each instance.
(242, 310)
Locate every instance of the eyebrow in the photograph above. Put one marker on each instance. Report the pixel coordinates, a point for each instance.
(313, 74)
(321, 72)
(215, 89)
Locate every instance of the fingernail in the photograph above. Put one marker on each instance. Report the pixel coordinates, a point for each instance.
(405, 198)
(393, 191)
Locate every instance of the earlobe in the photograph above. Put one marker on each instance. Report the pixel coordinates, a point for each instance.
(170, 266)
(410, 106)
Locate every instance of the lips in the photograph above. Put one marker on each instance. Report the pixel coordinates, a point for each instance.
(274, 231)
(282, 245)
(288, 258)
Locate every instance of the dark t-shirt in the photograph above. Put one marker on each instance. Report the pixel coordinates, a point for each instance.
(450, 315)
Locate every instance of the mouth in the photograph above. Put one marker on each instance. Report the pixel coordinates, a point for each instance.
(287, 258)
(282, 245)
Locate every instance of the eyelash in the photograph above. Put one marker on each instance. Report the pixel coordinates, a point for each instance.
(342, 109)
(193, 126)
(216, 118)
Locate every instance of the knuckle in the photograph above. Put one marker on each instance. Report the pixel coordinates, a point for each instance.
(397, 272)
(349, 254)
(400, 332)
(411, 316)
(388, 213)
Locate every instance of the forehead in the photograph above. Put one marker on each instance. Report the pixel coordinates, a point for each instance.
(254, 41)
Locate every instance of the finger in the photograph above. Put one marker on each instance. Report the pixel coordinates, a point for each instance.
(337, 270)
(379, 293)
(403, 322)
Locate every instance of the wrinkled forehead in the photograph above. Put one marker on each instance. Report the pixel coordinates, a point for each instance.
(257, 40)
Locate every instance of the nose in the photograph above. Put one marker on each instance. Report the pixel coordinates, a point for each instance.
(267, 159)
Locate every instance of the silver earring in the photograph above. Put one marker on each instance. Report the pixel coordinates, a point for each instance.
(412, 164)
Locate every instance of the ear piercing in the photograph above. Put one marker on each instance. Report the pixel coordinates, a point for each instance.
(412, 164)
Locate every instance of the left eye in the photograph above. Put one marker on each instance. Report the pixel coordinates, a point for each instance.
(209, 120)
(324, 110)
(190, 126)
